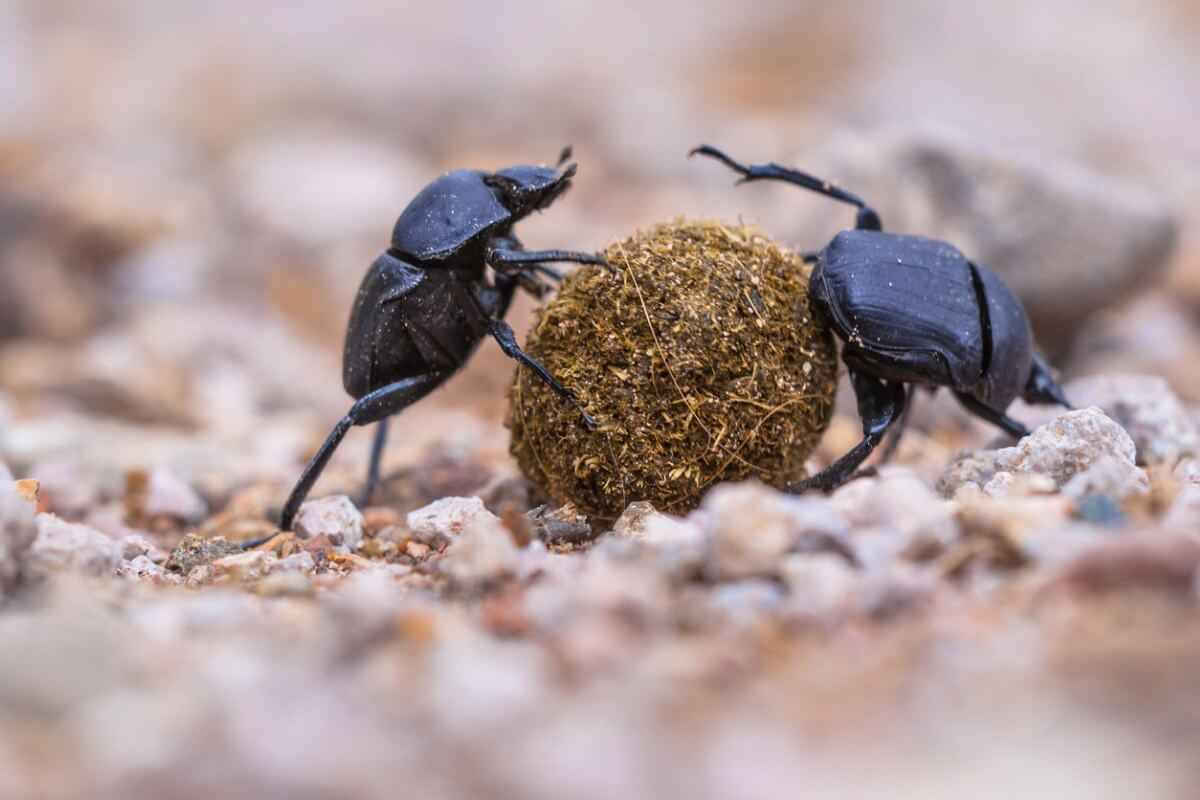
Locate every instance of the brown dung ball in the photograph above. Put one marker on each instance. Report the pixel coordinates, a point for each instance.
(701, 361)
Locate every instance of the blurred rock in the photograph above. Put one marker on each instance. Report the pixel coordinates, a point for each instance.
(1152, 561)
(67, 487)
(245, 566)
(1069, 446)
(65, 547)
(335, 516)
(819, 584)
(632, 522)
(135, 545)
(18, 529)
(482, 555)
(1144, 405)
(169, 495)
(565, 526)
(142, 568)
(750, 527)
(196, 551)
(895, 515)
(1108, 477)
(442, 520)
(1067, 240)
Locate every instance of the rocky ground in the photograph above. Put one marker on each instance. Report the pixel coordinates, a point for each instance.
(1029, 626)
(188, 197)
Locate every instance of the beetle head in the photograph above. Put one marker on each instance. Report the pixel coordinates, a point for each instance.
(524, 188)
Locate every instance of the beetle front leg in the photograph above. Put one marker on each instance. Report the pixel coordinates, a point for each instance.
(879, 405)
(510, 261)
(507, 340)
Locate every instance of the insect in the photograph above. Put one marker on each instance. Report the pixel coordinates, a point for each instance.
(913, 311)
(426, 302)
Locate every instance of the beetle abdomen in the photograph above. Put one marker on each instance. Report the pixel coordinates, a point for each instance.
(376, 318)
(905, 305)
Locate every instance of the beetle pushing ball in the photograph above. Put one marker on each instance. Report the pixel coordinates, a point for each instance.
(913, 311)
(426, 302)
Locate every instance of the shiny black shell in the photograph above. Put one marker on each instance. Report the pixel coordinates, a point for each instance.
(447, 215)
(915, 310)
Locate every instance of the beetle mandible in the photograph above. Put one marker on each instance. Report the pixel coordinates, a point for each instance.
(913, 311)
(426, 302)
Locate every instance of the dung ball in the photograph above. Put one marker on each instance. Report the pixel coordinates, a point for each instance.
(701, 360)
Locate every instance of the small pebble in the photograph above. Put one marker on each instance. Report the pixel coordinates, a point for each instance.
(335, 517)
(64, 546)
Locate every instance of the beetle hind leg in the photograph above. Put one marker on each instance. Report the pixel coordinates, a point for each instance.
(373, 473)
(374, 407)
(989, 414)
(880, 404)
(866, 219)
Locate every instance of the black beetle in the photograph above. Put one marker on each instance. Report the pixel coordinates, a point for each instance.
(911, 310)
(426, 302)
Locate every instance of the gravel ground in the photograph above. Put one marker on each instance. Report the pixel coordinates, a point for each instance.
(188, 198)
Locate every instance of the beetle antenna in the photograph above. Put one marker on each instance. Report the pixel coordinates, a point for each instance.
(564, 156)
(867, 218)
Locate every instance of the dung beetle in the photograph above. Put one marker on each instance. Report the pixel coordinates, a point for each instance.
(913, 311)
(426, 302)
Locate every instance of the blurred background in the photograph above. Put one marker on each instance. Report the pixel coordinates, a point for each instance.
(190, 191)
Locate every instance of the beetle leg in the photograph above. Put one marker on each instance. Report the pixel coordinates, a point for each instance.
(1041, 387)
(373, 407)
(879, 405)
(989, 414)
(507, 340)
(867, 218)
(377, 445)
(503, 260)
(898, 429)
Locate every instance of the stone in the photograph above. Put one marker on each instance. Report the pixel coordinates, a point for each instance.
(1061, 449)
(895, 515)
(482, 555)
(1144, 405)
(62, 546)
(442, 520)
(819, 584)
(296, 562)
(335, 516)
(18, 529)
(66, 486)
(562, 527)
(135, 544)
(142, 568)
(195, 551)
(1151, 561)
(168, 495)
(631, 523)
(749, 528)
(245, 566)
(1110, 477)
(1051, 230)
